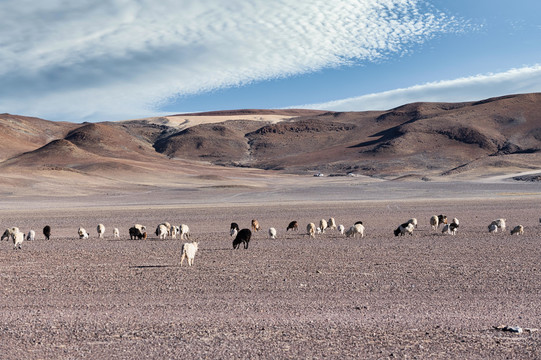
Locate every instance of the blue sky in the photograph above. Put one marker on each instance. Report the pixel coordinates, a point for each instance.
(120, 59)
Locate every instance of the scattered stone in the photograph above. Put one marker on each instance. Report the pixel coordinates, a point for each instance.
(513, 329)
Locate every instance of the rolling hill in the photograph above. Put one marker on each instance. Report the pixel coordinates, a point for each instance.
(419, 140)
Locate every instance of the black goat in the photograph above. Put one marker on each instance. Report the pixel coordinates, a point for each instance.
(243, 236)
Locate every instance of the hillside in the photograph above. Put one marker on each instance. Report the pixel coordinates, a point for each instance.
(419, 140)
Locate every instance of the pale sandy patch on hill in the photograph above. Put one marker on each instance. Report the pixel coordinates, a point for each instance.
(183, 122)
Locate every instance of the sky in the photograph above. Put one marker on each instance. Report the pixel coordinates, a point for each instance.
(92, 60)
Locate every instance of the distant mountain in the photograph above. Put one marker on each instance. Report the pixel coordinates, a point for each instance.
(411, 141)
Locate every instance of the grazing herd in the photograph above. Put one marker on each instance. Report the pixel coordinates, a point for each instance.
(243, 236)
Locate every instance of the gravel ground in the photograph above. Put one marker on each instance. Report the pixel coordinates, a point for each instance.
(426, 296)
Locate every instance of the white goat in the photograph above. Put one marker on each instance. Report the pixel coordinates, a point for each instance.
(412, 221)
(161, 231)
(323, 225)
(500, 223)
(18, 239)
(8, 233)
(331, 224)
(341, 229)
(188, 250)
(272, 233)
(174, 231)
(184, 232)
(434, 222)
(355, 229)
(101, 230)
(83, 234)
(16, 236)
(311, 230)
(31, 235)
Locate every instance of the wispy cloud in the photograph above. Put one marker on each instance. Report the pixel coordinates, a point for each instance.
(122, 58)
(514, 81)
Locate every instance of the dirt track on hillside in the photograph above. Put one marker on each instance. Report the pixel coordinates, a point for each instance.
(425, 296)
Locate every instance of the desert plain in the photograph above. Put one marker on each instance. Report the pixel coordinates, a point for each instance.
(425, 296)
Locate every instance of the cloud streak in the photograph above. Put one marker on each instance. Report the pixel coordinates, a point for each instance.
(108, 60)
(514, 81)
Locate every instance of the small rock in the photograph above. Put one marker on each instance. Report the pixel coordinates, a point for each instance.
(514, 329)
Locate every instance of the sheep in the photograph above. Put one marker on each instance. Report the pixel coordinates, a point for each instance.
(331, 224)
(184, 232)
(255, 225)
(116, 233)
(234, 229)
(492, 228)
(341, 229)
(311, 230)
(47, 232)
(404, 228)
(455, 220)
(519, 230)
(101, 230)
(272, 233)
(188, 250)
(412, 221)
(500, 223)
(135, 233)
(323, 225)
(161, 231)
(83, 234)
(294, 225)
(243, 236)
(31, 236)
(354, 230)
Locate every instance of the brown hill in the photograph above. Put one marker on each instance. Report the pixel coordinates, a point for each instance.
(419, 138)
(413, 141)
(20, 133)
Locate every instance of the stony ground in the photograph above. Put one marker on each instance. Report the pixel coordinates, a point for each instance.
(427, 296)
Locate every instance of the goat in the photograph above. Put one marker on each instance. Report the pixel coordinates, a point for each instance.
(188, 250)
(47, 232)
(243, 236)
(294, 225)
(404, 228)
(255, 225)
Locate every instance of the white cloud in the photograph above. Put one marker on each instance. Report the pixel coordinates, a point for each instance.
(515, 81)
(117, 59)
